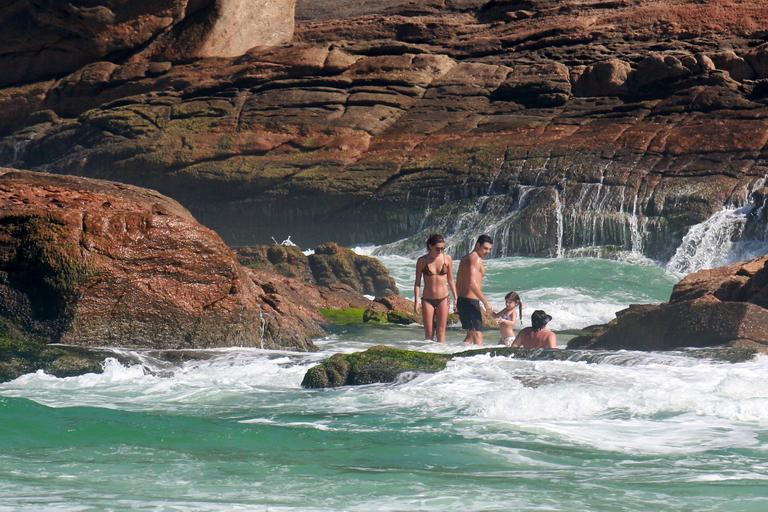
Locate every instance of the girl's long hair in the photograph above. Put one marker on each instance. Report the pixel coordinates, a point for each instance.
(515, 297)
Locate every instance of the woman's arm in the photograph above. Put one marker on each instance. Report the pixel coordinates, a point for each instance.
(451, 283)
(417, 284)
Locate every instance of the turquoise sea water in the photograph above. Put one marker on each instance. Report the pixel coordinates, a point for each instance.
(638, 431)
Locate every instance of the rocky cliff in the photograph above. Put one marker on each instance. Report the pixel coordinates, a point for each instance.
(554, 125)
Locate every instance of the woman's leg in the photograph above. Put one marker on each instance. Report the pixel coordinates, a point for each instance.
(442, 320)
(427, 316)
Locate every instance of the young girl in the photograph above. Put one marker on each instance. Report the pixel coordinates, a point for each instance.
(508, 317)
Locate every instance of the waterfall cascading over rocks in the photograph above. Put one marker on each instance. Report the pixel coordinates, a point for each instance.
(731, 234)
(627, 219)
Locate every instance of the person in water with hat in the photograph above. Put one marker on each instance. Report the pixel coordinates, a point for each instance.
(538, 335)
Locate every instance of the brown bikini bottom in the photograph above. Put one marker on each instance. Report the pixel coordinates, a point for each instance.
(434, 302)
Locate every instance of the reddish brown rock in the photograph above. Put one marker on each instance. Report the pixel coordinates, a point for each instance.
(94, 263)
(607, 78)
(41, 40)
(710, 307)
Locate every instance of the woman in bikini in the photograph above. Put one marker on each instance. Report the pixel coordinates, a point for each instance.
(437, 269)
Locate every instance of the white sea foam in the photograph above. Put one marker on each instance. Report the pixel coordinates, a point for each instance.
(569, 307)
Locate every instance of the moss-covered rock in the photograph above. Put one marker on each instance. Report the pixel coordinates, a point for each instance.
(377, 364)
(382, 363)
(344, 316)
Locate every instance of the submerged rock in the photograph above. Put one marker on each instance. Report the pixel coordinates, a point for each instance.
(713, 307)
(20, 354)
(94, 263)
(377, 364)
(383, 363)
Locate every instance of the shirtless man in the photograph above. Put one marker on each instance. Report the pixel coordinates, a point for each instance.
(469, 282)
(538, 335)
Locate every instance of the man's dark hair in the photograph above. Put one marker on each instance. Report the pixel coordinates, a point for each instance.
(484, 239)
(539, 319)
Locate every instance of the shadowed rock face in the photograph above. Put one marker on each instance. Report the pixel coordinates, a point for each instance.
(553, 125)
(96, 263)
(711, 307)
(42, 39)
(329, 265)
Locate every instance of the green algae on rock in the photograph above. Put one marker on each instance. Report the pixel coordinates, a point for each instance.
(377, 364)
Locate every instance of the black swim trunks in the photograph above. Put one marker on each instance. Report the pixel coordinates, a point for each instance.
(470, 314)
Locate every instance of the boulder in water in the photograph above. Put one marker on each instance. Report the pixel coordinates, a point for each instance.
(332, 263)
(93, 263)
(713, 307)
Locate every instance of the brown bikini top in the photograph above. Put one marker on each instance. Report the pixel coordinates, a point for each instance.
(443, 270)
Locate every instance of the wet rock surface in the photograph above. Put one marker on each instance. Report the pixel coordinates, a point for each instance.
(384, 364)
(552, 125)
(723, 306)
(95, 263)
(328, 265)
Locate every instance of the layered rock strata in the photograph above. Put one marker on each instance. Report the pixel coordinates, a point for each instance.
(726, 305)
(552, 125)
